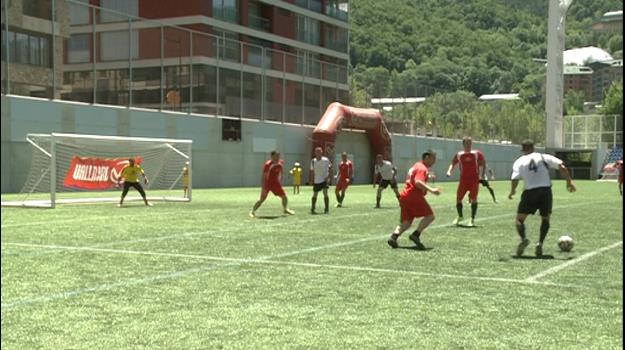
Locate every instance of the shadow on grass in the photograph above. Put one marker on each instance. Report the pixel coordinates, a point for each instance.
(415, 248)
(268, 217)
(533, 257)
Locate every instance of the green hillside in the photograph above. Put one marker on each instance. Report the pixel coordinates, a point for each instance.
(415, 48)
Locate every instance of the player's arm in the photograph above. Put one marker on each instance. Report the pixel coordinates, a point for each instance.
(454, 161)
(419, 180)
(481, 165)
(145, 178)
(513, 185)
(330, 170)
(516, 176)
(350, 171)
(311, 173)
(570, 186)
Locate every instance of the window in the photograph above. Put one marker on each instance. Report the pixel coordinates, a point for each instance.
(37, 8)
(308, 30)
(78, 48)
(26, 49)
(230, 130)
(129, 7)
(115, 46)
(79, 13)
(226, 10)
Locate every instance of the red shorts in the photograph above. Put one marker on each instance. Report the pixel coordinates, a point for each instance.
(473, 187)
(342, 184)
(415, 207)
(276, 189)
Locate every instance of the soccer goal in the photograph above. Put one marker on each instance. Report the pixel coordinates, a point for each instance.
(75, 168)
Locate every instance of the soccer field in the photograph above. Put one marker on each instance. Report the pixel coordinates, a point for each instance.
(203, 275)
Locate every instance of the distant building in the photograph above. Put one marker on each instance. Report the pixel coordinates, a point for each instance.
(610, 22)
(578, 78)
(604, 73)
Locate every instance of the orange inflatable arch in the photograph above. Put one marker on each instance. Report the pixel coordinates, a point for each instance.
(338, 116)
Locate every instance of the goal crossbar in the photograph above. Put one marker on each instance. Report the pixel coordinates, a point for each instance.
(69, 168)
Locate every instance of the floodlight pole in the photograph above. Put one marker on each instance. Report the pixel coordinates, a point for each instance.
(555, 79)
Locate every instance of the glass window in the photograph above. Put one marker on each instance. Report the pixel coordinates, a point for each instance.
(21, 48)
(226, 10)
(35, 51)
(37, 8)
(308, 30)
(78, 48)
(45, 52)
(129, 7)
(79, 13)
(115, 46)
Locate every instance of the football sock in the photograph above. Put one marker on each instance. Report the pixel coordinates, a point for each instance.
(326, 202)
(520, 228)
(342, 197)
(544, 228)
(459, 209)
(338, 197)
(314, 203)
(394, 236)
(473, 210)
(492, 194)
(377, 201)
(416, 233)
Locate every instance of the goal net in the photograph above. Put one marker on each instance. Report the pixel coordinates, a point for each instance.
(74, 168)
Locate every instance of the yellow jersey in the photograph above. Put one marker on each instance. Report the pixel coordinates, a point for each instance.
(131, 173)
(297, 175)
(185, 176)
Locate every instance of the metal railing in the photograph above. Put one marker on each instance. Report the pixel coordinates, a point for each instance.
(136, 62)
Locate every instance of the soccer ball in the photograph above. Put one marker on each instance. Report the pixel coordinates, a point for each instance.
(565, 243)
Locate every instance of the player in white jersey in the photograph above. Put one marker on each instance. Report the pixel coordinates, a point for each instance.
(385, 170)
(320, 176)
(533, 168)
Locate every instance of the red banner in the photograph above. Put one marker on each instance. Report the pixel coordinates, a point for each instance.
(95, 173)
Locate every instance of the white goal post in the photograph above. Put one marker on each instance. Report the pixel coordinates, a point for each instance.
(79, 168)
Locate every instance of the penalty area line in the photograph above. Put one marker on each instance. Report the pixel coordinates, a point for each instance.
(572, 262)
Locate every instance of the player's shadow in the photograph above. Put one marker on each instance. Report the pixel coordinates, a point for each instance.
(415, 248)
(533, 257)
(467, 227)
(268, 217)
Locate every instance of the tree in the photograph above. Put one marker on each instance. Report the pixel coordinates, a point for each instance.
(613, 99)
(574, 102)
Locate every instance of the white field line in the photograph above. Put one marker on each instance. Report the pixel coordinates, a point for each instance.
(182, 273)
(214, 233)
(564, 265)
(294, 263)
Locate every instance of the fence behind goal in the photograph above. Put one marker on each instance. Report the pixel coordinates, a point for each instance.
(75, 168)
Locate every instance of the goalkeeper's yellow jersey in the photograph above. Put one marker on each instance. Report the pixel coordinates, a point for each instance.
(131, 173)
(297, 175)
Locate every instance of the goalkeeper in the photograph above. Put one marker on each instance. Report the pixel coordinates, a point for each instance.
(130, 174)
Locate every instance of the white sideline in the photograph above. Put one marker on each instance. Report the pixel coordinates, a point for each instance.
(181, 273)
(294, 263)
(564, 265)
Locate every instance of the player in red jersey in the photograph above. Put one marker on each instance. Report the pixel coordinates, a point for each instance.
(472, 165)
(619, 166)
(271, 181)
(345, 176)
(412, 201)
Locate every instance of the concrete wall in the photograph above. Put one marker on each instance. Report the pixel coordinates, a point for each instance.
(216, 163)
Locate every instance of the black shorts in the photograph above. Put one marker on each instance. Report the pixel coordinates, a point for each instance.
(540, 199)
(320, 186)
(136, 185)
(384, 183)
